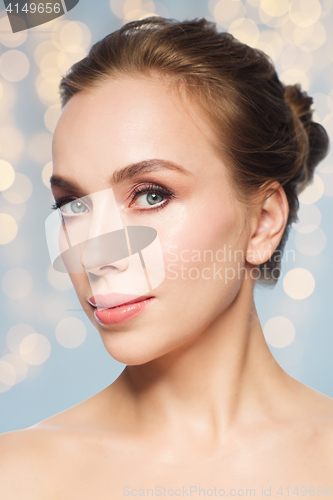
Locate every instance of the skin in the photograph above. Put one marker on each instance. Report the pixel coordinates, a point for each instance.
(201, 401)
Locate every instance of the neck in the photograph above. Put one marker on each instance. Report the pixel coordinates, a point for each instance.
(226, 376)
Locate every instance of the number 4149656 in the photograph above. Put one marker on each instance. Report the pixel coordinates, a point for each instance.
(33, 8)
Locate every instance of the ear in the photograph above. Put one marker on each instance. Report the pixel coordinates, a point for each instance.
(268, 224)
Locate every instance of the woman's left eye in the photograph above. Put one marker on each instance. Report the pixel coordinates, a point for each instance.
(150, 196)
(150, 199)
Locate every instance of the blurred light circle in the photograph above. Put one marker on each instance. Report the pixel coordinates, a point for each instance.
(8, 228)
(35, 349)
(7, 37)
(74, 34)
(51, 116)
(304, 13)
(288, 57)
(310, 38)
(279, 332)
(48, 91)
(17, 211)
(271, 43)
(328, 183)
(117, 8)
(245, 30)
(20, 191)
(254, 3)
(271, 21)
(60, 281)
(49, 66)
(311, 243)
(328, 124)
(7, 175)
(70, 332)
(309, 218)
(11, 142)
(16, 283)
(67, 59)
(8, 96)
(320, 103)
(274, 8)
(20, 367)
(40, 147)
(299, 283)
(144, 14)
(46, 173)
(325, 169)
(42, 50)
(293, 75)
(313, 192)
(7, 375)
(226, 11)
(14, 65)
(330, 100)
(54, 307)
(16, 334)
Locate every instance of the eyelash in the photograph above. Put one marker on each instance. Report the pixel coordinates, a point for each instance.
(138, 190)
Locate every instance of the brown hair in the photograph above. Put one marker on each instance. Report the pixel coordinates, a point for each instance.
(264, 128)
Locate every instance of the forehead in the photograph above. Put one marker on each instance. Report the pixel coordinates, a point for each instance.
(130, 120)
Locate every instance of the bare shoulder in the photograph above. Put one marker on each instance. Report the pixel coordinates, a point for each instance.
(22, 465)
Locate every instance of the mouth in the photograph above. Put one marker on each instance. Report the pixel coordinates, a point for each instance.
(117, 308)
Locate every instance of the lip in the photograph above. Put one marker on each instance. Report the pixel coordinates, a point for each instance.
(125, 312)
(114, 299)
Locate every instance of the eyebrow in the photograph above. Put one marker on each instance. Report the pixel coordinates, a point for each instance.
(126, 173)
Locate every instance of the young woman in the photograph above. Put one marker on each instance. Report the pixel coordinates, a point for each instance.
(177, 127)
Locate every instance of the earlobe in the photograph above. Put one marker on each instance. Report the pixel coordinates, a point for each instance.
(269, 226)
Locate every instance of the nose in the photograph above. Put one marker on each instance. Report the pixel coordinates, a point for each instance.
(105, 253)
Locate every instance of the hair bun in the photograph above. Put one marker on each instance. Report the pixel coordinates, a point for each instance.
(313, 138)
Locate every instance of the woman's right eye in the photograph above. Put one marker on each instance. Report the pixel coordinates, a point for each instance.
(74, 207)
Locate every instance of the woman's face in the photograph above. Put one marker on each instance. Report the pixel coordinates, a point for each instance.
(192, 206)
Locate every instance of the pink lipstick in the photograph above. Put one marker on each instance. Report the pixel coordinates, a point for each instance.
(113, 313)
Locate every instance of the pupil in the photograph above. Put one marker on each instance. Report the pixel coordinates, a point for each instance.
(76, 206)
(153, 197)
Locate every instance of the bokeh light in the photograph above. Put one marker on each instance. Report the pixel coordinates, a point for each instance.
(7, 375)
(20, 191)
(305, 13)
(20, 367)
(309, 218)
(70, 332)
(7, 175)
(16, 334)
(7, 37)
(313, 192)
(17, 283)
(299, 283)
(60, 281)
(46, 174)
(311, 243)
(51, 116)
(226, 11)
(8, 228)
(279, 331)
(14, 65)
(245, 30)
(11, 142)
(35, 349)
(40, 147)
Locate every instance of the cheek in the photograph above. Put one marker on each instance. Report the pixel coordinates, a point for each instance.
(208, 228)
